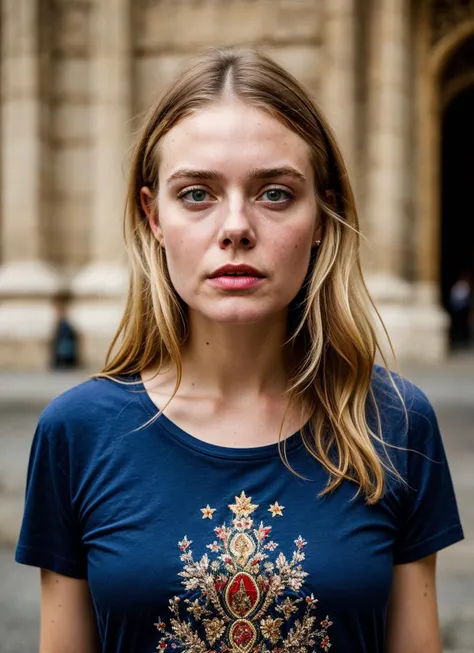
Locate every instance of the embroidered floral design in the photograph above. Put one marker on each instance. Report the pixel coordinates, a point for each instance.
(214, 629)
(276, 509)
(270, 629)
(241, 601)
(243, 506)
(208, 512)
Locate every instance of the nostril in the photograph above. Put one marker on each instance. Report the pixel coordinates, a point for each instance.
(245, 241)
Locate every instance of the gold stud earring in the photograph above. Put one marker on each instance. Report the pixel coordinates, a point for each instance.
(318, 243)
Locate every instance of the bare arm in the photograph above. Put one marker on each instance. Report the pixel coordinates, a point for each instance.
(67, 619)
(413, 625)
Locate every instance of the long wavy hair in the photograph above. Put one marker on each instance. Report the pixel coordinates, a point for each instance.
(332, 338)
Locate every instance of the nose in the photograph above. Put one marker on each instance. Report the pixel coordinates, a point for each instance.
(237, 231)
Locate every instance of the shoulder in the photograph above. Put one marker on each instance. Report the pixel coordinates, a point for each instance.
(391, 389)
(93, 402)
(410, 436)
(402, 405)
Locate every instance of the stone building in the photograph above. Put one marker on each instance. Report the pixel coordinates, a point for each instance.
(394, 77)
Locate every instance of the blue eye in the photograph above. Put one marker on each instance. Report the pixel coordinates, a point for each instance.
(195, 195)
(277, 195)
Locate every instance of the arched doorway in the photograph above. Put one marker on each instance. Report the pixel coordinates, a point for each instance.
(457, 191)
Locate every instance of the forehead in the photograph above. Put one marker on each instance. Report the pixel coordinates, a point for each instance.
(232, 137)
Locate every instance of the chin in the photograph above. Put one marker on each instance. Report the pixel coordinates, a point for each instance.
(237, 317)
(240, 313)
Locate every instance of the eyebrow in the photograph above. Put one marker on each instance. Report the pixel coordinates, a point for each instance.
(256, 173)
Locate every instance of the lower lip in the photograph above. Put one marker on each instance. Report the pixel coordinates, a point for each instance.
(236, 282)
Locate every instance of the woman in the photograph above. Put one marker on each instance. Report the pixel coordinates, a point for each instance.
(240, 477)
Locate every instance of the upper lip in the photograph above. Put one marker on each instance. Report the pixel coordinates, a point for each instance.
(240, 268)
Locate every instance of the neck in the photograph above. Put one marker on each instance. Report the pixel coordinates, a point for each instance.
(226, 359)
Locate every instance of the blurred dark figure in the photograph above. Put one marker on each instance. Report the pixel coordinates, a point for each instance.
(65, 340)
(460, 305)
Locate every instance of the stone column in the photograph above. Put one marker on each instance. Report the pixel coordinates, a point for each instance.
(415, 332)
(386, 167)
(387, 136)
(27, 282)
(387, 141)
(338, 78)
(100, 286)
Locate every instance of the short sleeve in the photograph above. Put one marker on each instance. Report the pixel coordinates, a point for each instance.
(50, 536)
(429, 517)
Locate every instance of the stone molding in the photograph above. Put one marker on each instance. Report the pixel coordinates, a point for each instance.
(101, 280)
(29, 278)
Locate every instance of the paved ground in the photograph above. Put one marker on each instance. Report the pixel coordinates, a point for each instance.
(22, 396)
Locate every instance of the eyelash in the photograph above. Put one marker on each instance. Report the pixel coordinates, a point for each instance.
(288, 193)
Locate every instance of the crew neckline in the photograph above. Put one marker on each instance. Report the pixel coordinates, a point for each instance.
(288, 444)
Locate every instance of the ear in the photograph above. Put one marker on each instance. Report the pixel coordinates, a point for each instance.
(317, 235)
(318, 230)
(150, 209)
(330, 198)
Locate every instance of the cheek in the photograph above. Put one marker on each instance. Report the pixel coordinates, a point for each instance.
(176, 238)
(185, 250)
(180, 255)
(293, 254)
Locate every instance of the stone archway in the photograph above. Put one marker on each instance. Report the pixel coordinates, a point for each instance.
(457, 176)
(445, 72)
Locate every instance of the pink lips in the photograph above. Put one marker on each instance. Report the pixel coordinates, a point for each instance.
(236, 277)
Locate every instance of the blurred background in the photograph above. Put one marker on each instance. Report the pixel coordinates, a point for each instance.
(396, 81)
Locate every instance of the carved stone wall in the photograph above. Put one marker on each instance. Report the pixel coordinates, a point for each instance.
(166, 33)
(364, 79)
(70, 134)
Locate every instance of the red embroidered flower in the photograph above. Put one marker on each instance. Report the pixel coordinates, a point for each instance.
(221, 532)
(300, 542)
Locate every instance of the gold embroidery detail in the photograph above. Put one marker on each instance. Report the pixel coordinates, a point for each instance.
(242, 601)
(243, 506)
(276, 509)
(271, 629)
(214, 629)
(242, 595)
(242, 635)
(207, 512)
(242, 547)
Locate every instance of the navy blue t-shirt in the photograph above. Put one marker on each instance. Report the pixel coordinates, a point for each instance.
(194, 547)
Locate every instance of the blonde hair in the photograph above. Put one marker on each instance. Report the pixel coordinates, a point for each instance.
(332, 338)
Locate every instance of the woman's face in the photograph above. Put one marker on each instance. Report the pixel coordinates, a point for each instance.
(236, 188)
